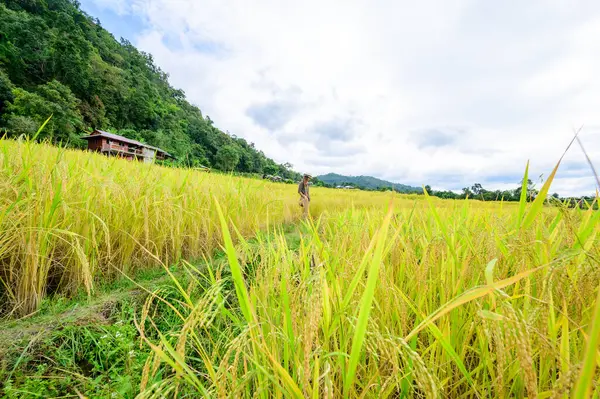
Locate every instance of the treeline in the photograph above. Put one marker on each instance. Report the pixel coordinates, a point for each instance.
(365, 183)
(56, 60)
(400, 188)
(478, 192)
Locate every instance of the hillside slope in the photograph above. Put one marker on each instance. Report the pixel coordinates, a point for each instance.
(366, 182)
(55, 59)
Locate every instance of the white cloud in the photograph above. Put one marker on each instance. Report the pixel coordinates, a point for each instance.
(509, 80)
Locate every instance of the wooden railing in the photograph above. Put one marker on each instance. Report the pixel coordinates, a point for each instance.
(120, 148)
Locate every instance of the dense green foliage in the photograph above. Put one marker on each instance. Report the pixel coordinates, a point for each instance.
(56, 60)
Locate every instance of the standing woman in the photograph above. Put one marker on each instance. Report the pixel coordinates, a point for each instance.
(304, 194)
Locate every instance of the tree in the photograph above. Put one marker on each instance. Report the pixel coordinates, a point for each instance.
(259, 163)
(428, 189)
(245, 163)
(508, 195)
(52, 99)
(6, 88)
(19, 125)
(227, 158)
(271, 167)
(531, 191)
(198, 156)
(317, 183)
(490, 195)
(477, 189)
(94, 113)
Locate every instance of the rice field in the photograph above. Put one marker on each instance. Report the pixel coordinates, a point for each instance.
(456, 300)
(69, 219)
(382, 297)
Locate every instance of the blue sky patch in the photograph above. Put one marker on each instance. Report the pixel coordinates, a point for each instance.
(127, 26)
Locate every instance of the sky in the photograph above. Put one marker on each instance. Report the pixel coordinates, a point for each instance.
(446, 93)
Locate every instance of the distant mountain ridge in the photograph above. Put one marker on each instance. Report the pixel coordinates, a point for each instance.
(366, 182)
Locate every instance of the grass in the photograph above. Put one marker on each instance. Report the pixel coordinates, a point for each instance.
(99, 356)
(378, 296)
(70, 219)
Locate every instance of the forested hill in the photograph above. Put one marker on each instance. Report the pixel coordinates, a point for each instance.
(366, 182)
(55, 59)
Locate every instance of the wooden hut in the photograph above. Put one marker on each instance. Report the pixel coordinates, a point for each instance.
(114, 145)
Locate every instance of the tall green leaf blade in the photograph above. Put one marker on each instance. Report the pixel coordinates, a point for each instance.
(539, 201)
(538, 204)
(586, 378)
(365, 304)
(359, 274)
(41, 128)
(523, 199)
(441, 225)
(236, 270)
